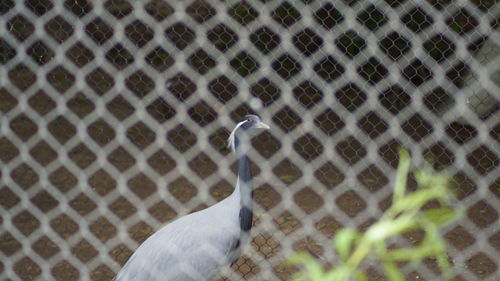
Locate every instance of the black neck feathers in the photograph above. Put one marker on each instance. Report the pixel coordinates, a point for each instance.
(245, 183)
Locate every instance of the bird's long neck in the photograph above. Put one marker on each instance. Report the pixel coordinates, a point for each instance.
(244, 184)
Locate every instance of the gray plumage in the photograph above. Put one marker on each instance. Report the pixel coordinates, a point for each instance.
(195, 246)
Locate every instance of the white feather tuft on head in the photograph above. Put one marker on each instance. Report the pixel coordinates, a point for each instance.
(231, 140)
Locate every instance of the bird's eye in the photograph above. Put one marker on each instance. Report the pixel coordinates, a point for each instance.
(249, 119)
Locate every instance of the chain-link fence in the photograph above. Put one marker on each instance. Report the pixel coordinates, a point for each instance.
(115, 115)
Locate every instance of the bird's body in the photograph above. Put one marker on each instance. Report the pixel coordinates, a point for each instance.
(195, 246)
(192, 240)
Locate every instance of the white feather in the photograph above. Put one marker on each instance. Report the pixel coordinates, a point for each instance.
(231, 140)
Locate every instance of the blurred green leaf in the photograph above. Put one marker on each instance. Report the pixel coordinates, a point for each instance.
(360, 276)
(440, 216)
(402, 175)
(343, 241)
(405, 214)
(289, 178)
(392, 271)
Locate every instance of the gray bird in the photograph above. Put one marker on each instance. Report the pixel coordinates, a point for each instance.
(195, 246)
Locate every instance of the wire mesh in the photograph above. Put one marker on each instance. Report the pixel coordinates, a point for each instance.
(115, 116)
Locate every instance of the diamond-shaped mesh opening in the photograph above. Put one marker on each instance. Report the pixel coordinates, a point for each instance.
(457, 73)
(22, 77)
(351, 97)
(159, 9)
(483, 160)
(182, 189)
(462, 22)
(460, 132)
(417, 127)
(140, 84)
(307, 94)
(373, 178)
(119, 56)
(161, 110)
(99, 31)
(223, 89)
(45, 247)
(350, 43)
(38, 51)
(286, 66)
(139, 33)
(287, 171)
(181, 138)
(180, 35)
(307, 41)
(41, 103)
(372, 18)
(439, 155)
(202, 165)
(329, 175)
(80, 105)
(200, 11)
(181, 86)
(202, 113)
(286, 14)
(39, 7)
(201, 61)
(9, 244)
(308, 147)
(101, 132)
(329, 122)
(395, 45)
(79, 54)
(439, 47)
(9, 102)
(394, 99)
(351, 150)
(141, 135)
(100, 81)
(222, 37)
(265, 39)
(23, 127)
(417, 73)
(43, 153)
(5, 6)
(7, 52)
(27, 269)
(329, 69)
(267, 91)
(8, 150)
(59, 29)
(417, 19)
(102, 182)
(79, 8)
(82, 204)
(160, 59)
(438, 101)
(118, 8)
(60, 78)
(20, 27)
(244, 64)
(328, 16)
(351, 203)
(287, 119)
(372, 71)
(373, 125)
(243, 13)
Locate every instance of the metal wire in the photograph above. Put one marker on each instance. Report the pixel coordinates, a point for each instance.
(115, 116)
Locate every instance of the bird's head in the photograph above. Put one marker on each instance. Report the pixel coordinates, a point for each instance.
(246, 128)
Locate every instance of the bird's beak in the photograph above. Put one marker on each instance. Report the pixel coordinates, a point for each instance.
(262, 125)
